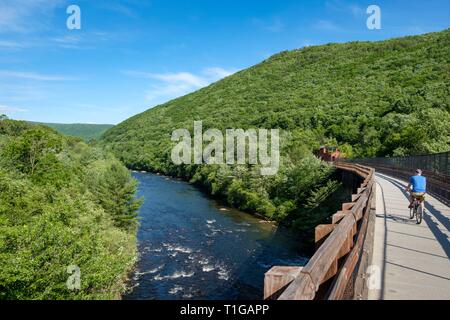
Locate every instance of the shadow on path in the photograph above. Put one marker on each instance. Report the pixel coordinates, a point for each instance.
(418, 251)
(417, 270)
(441, 237)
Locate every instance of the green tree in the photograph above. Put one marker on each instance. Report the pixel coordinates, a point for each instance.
(51, 216)
(114, 190)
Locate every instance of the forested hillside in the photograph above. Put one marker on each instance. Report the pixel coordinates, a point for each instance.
(370, 98)
(85, 131)
(62, 203)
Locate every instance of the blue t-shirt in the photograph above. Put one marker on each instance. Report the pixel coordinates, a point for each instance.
(419, 183)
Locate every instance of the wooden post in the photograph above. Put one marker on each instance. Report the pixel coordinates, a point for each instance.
(347, 206)
(277, 279)
(335, 218)
(322, 231)
(335, 243)
(356, 196)
(331, 272)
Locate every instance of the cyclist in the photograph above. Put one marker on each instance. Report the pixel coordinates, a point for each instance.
(418, 190)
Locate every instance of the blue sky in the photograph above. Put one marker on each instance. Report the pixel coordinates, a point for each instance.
(131, 55)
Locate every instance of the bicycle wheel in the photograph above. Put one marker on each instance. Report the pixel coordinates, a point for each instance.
(411, 213)
(419, 215)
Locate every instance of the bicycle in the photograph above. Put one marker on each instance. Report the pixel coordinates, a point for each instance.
(416, 210)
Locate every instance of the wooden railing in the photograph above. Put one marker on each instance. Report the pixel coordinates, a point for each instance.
(438, 185)
(336, 270)
(435, 167)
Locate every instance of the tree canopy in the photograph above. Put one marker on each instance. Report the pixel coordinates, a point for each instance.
(386, 98)
(62, 204)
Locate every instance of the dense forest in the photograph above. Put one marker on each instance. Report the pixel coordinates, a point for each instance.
(62, 204)
(387, 98)
(85, 131)
(65, 203)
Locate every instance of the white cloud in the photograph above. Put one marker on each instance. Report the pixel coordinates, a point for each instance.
(31, 76)
(129, 8)
(345, 7)
(84, 41)
(26, 15)
(12, 93)
(357, 11)
(11, 45)
(167, 86)
(122, 9)
(68, 42)
(70, 39)
(8, 109)
(326, 25)
(218, 73)
(182, 78)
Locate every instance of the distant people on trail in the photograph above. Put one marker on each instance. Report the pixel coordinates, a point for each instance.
(418, 187)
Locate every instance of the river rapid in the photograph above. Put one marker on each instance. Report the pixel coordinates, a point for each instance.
(191, 247)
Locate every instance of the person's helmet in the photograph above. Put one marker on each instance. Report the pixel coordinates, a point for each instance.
(418, 171)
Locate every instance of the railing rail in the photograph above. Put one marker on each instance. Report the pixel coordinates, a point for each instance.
(435, 167)
(330, 272)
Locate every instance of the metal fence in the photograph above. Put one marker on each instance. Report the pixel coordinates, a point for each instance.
(435, 167)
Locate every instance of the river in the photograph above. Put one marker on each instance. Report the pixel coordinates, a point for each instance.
(191, 247)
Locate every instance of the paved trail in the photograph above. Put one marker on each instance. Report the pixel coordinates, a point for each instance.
(413, 260)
